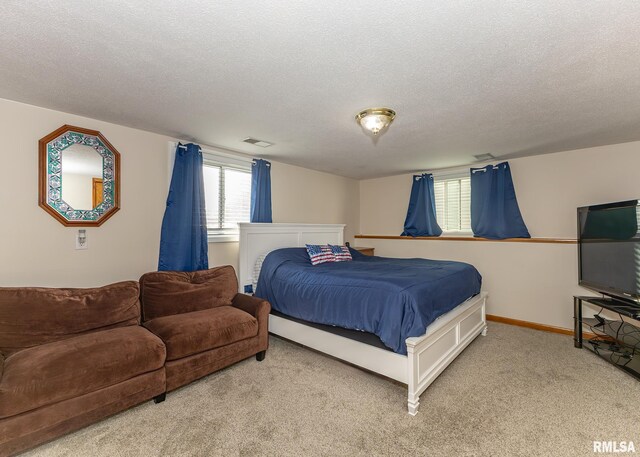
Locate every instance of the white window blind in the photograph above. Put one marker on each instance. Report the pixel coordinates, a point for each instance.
(237, 198)
(453, 204)
(228, 199)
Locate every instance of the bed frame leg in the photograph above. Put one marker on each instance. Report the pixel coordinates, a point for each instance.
(413, 405)
(413, 397)
(484, 331)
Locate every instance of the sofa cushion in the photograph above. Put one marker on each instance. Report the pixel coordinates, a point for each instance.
(64, 369)
(199, 331)
(165, 293)
(30, 316)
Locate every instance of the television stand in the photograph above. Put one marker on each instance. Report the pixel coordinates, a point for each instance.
(616, 341)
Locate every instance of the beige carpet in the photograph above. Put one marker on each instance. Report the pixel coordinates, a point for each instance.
(515, 392)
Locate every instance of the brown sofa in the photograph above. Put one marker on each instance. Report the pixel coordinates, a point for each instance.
(205, 324)
(70, 357)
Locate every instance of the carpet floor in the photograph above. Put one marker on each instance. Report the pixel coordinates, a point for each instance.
(515, 392)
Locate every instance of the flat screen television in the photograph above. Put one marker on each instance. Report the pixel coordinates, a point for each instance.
(609, 249)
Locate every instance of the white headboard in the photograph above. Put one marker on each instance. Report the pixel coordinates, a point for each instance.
(258, 239)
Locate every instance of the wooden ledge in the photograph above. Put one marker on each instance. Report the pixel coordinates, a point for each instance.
(471, 238)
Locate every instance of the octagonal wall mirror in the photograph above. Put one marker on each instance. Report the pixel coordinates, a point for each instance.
(79, 172)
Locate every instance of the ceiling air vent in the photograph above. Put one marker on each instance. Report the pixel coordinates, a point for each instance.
(483, 157)
(262, 144)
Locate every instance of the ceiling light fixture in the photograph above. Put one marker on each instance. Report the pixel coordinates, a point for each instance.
(375, 120)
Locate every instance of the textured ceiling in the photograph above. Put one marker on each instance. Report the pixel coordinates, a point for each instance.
(465, 77)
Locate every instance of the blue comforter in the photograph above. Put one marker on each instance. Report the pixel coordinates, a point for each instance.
(392, 298)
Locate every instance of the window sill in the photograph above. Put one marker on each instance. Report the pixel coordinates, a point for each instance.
(456, 233)
(223, 238)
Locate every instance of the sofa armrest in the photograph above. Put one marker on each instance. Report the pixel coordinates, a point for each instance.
(259, 309)
(252, 305)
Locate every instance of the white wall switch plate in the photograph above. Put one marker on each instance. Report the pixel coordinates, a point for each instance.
(81, 239)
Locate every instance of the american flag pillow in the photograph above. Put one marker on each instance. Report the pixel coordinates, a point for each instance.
(341, 253)
(320, 254)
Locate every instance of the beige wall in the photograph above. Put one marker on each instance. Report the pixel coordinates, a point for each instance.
(531, 282)
(37, 250)
(302, 195)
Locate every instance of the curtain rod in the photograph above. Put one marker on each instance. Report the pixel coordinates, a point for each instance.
(474, 170)
(238, 156)
(458, 170)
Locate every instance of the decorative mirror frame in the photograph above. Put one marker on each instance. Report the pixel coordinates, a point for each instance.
(50, 176)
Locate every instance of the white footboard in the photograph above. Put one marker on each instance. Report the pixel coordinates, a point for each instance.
(430, 354)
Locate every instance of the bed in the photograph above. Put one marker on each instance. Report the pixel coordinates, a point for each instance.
(413, 348)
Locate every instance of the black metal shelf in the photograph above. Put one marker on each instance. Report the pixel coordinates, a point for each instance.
(616, 341)
(617, 306)
(626, 335)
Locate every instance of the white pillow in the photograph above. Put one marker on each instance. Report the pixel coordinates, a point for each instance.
(256, 271)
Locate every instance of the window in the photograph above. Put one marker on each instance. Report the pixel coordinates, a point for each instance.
(227, 188)
(453, 203)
